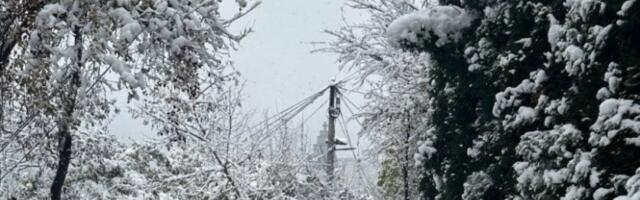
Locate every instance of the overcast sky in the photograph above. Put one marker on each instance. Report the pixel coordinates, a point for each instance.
(276, 59)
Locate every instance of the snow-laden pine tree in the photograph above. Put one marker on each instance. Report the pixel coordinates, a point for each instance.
(552, 86)
(459, 95)
(558, 110)
(527, 99)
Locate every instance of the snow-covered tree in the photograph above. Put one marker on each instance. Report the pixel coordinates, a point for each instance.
(559, 110)
(543, 63)
(523, 99)
(64, 65)
(393, 82)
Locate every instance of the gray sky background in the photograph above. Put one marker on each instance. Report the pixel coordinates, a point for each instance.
(276, 60)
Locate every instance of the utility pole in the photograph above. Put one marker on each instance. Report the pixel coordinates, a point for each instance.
(334, 111)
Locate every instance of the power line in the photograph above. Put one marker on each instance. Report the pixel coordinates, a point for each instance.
(316, 110)
(293, 111)
(353, 90)
(349, 101)
(358, 161)
(282, 114)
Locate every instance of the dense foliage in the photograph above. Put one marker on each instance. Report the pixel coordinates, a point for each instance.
(522, 99)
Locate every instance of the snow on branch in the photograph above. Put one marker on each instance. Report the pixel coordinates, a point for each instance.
(443, 23)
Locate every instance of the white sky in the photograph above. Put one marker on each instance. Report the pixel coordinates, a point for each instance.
(276, 60)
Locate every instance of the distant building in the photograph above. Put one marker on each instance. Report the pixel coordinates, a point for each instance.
(320, 148)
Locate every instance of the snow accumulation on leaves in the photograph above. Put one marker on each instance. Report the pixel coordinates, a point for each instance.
(603, 33)
(632, 186)
(554, 177)
(613, 117)
(124, 71)
(625, 7)
(555, 31)
(443, 22)
(575, 192)
(583, 8)
(47, 16)
(512, 97)
(121, 15)
(574, 56)
(525, 115)
(555, 142)
(476, 185)
(509, 98)
(613, 77)
(425, 149)
(601, 193)
(581, 166)
(612, 107)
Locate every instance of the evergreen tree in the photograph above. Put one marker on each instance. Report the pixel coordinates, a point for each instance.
(519, 90)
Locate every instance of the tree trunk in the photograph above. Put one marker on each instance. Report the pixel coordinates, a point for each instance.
(405, 164)
(67, 123)
(64, 151)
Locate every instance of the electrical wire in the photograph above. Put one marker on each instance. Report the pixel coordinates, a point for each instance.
(290, 114)
(349, 100)
(282, 114)
(353, 90)
(364, 129)
(316, 110)
(357, 159)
